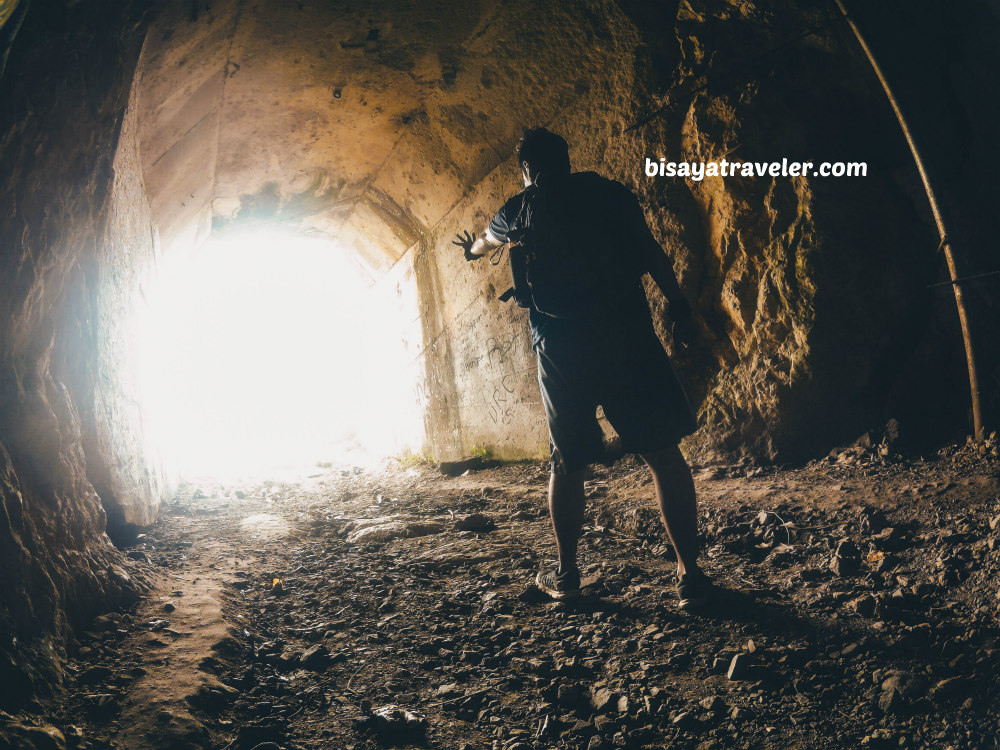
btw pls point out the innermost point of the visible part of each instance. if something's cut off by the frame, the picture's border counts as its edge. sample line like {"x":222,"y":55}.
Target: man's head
{"x":542,"y":152}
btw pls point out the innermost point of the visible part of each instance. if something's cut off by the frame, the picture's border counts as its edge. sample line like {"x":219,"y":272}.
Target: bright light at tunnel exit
{"x":265,"y":352}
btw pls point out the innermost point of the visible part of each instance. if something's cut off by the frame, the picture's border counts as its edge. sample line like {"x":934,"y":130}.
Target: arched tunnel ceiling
{"x":366,"y":121}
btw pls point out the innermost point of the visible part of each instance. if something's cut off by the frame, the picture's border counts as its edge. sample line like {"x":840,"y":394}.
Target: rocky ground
{"x":858,"y":608}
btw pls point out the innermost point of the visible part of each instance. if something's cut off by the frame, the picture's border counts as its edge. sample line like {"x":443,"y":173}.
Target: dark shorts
{"x":625,"y":370}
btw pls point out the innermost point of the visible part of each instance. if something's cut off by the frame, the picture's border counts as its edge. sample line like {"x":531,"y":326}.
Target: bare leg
{"x":566,"y":505}
{"x":678,"y":508}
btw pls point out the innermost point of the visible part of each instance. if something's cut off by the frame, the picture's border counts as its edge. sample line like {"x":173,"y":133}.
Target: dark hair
{"x":544,"y":151}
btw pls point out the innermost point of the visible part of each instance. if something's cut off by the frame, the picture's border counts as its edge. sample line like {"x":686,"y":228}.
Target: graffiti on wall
{"x":500,"y":412}
{"x":497,"y":350}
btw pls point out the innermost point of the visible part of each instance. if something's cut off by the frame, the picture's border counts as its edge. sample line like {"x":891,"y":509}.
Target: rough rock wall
{"x":123,"y":466}
{"x":809,"y":285}
{"x":64,"y":95}
{"x":811,"y":292}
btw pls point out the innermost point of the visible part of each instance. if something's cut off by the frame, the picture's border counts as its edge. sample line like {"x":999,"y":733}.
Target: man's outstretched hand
{"x":685,"y":331}
{"x":466,"y":240}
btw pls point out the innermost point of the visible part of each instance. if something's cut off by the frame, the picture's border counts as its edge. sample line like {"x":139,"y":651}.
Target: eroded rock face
{"x":808,"y":286}
{"x":74,"y":235}
{"x":123,"y":467}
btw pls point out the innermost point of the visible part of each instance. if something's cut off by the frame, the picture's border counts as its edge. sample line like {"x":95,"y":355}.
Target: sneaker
{"x":693,"y":590}
{"x":559,"y":585}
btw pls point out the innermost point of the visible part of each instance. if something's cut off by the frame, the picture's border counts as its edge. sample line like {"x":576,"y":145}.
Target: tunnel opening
{"x":266,"y":351}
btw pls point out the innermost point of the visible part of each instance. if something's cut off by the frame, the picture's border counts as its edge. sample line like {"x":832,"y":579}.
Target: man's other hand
{"x":685,"y":331}
{"x":466,"y":240}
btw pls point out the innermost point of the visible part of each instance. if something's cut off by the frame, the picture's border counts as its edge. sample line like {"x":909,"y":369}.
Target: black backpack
{"x":572,"y":254}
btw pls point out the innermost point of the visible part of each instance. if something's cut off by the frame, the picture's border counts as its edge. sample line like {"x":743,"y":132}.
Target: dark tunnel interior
{"x":274,"y":458}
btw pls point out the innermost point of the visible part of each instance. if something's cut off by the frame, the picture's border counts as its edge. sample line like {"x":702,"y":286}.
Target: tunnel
{"x":274,"y":456}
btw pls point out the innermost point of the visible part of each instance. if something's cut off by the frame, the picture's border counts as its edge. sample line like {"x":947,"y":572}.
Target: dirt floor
{"x":858,"y":608}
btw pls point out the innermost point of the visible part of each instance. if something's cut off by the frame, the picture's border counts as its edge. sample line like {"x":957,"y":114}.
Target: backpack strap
{"x":520,"y":292}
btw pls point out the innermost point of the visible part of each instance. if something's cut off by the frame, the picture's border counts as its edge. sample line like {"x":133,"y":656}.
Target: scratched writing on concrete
{"x":498,"y":349}
{"x":500,"y":413}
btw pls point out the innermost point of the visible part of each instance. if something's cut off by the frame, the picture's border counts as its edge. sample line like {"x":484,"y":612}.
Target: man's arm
{"x":659,"y":267}
{"x":475,"y":247}
{"x":661,"y":270}
{"x":652,"y":259}
{"x":657,"y":264}
{"x":492,"y":237}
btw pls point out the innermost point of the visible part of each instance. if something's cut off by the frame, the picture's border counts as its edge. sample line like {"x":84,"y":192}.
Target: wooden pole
{"x":963,"y":317}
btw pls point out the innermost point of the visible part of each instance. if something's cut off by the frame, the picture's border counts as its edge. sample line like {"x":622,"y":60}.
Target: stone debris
{"x":462,"y":465}
{"x":956,"y":688}
{"x":385,"y":529}
{"x":213,"y":696}
{"x":740,"y":667}
{"x":840,"y":619}
{"x":105,"y":622}
{"x":846,"y":559}
{"x":478,"y":522}
{"x":602,"y":699}
{"x":94,"y":676}
{"x":396,"y":724}
{"x":316,"y":658}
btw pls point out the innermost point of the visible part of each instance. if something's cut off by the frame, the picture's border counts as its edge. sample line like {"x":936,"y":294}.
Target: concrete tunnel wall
{"x":809,"y":297}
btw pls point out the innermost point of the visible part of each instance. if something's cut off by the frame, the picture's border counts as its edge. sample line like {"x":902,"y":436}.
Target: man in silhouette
{"x":579,"y":246}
